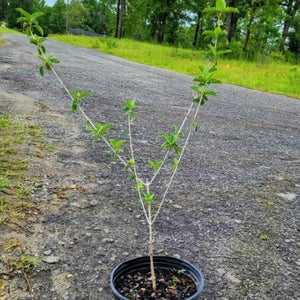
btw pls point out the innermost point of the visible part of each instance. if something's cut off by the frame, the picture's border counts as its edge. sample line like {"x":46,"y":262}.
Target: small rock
{"x":75,"y":204}
{"x":125,"y":253}
{"x":94,"y":203}
{"x":113,"y":258}
{"x":177,"y":256}
{"x":51,"y":259}
{"x":47,"y":252}
{"x":288,"y":196}
{"x":298,"y":262}
{"x":232,"y":278}
{"x":107,"y":240}
{"x":160,"y":251}
{"x":177,"y":206}
{"x":98,"y":228}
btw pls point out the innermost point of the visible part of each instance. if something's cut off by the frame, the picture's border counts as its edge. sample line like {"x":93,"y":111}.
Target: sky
{"x":50,"y":2}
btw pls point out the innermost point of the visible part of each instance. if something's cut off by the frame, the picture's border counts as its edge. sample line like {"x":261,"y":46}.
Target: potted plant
{"x":150,"y":277}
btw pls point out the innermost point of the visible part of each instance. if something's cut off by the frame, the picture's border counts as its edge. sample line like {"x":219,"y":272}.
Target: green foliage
{"x":130,"y":164}
{"x":25,"y":263}
{"x":175,"y":164}
{"x":140,"y":186}
{"x":100,"y":130}
{"x":77,"y":98}
{"x":129,"y":108}
{"x":30,"y":22}
{"x":48,"y":61}
{"x":171,"y":140}
{"x":117,"y":146}
{"x":155,"y":165}
{"x":148,"y":197}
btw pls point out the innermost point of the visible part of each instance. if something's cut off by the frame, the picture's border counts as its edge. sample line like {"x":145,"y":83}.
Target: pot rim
{"x":193,"y":272}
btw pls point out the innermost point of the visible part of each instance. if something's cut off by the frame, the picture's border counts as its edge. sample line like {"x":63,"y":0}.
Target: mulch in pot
{"x":171,"y":285}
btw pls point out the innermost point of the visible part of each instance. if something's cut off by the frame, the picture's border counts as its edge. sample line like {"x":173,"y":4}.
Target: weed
{"x":4,"y":182}
{"x":264,"y":237}
{"x":25,"y":263}
{"x":11,"y":245}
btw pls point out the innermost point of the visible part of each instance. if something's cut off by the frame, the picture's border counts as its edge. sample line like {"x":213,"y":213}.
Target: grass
{"x":15,"y":186}
{"x":274,"y":77}
{"x":4,"y":30}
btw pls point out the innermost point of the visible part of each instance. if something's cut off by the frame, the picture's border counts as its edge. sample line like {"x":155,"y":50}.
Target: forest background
{"x":262,"y":30}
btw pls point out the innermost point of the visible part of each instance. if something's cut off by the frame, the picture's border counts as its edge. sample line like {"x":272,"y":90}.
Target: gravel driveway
{"x":233,"y":209}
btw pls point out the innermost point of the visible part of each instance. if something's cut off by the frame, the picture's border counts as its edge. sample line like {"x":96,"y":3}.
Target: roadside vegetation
{"x":268,"y":75}
{"x":18,"y":143}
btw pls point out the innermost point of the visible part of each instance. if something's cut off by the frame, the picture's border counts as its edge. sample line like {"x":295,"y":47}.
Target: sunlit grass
{"x":4,"y":30}
{"x":274,"y":77}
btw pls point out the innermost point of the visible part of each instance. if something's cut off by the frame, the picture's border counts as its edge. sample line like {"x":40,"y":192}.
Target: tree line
{"x":260,"y":29}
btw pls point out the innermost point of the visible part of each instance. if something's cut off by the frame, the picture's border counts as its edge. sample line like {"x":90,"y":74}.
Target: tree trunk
{"x":230,"y":22}
{"x":195,"y":42}
{"x":120,"y":14}
{"x":292,"y":8}
{"x":161,"y":27}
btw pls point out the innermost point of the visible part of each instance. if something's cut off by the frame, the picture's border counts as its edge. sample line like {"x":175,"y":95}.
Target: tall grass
{"x":274,"y":77}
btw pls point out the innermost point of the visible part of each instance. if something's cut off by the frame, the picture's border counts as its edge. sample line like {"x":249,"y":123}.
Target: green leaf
{"x":42,"y":71}
{"x":39,"y":29}
{"x":195,"y":125}
{"x":129,"y":108}
{"x":171,"y":140}
{"x":148,"y":197}
{"x":100,"y":130}
{"x":154,"y":164}
{"x":221,"y":4}
{"x":117,"y":145}
{"x":175,"y":164}
{"x":24,"y":13}
{"x":231,"y":10}
{"x":130,"y":164}
{"x":222,"y":52}
{"x":210,"y":10}
{"x":218,"y":31}
{"x":140,"y":186}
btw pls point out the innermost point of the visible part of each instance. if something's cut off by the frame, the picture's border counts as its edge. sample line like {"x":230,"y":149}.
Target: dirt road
{"x":246,"y":155}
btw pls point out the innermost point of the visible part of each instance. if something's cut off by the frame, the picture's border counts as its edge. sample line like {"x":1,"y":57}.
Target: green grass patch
{"x":274,"y":77}
{"x":4,"y":30}
{"x":16,"y":186}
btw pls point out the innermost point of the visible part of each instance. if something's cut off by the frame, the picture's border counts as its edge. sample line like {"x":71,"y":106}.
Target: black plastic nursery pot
{"x":164,"y":263}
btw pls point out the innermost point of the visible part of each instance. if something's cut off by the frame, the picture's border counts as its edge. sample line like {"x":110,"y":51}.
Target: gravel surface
{"x":234,"y":206}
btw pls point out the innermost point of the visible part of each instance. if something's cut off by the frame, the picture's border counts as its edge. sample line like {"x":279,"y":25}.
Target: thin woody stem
{"x":175,"y":169}
{"x":167,"y":153}
{"x":151,"y":241}
{"x":135,"y":171}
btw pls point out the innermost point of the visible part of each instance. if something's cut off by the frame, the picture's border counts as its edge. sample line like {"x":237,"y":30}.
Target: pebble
{"x":113,"y":258}
{"x":107,"y":240}
{"x":177,"y":256}
{"x":94,"y":203}
{"x":177,"y":206}
{"x":51,"y":259}
{"x":232,"y":278}
{"x":288,"y":196}
{"x":47,"y":252}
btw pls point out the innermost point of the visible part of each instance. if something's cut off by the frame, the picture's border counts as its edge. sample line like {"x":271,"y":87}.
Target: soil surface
{"x":233,"y":209}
